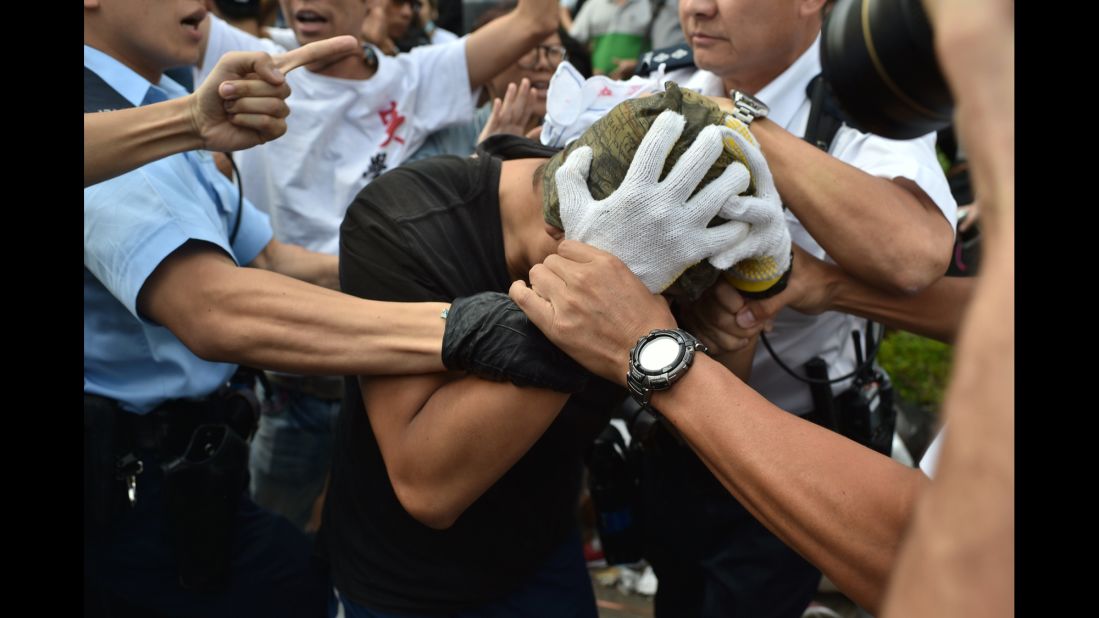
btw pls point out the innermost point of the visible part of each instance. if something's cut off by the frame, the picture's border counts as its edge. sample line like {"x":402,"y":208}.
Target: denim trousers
{"x":291,"y":452}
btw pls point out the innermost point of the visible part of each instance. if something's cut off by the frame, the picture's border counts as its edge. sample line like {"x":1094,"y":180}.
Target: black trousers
{"x":711,"y":556}
{"x":131,"y":567}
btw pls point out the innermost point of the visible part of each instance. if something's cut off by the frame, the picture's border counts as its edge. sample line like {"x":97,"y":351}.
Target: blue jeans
{"x":561,"y":588}
{"x":291,"y":452}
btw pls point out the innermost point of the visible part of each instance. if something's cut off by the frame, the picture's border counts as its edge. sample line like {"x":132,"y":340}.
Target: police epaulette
{"x":675,"y":57}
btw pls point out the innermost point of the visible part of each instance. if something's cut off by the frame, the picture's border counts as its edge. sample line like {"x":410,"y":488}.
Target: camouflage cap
{"x":615,"y":137}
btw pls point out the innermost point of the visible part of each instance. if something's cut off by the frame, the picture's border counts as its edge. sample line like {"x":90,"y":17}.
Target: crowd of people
{"x":351,"y":326}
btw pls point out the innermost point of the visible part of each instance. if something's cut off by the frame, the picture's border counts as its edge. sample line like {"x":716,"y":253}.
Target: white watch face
{"x":659,"y":353}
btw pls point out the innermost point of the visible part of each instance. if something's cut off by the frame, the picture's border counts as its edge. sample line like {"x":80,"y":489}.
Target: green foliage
{"x":919,"y":367}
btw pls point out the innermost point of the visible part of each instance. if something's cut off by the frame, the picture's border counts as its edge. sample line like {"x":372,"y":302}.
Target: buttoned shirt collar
{"x":786,"y":93}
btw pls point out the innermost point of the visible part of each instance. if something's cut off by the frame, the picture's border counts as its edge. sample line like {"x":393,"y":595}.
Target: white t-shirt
{"x":798,"y":337}
{"x":343,"y":133}
{"x":440,"y":36}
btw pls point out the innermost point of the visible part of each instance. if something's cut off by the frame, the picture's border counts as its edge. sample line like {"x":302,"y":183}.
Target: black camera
{"x":879,"y":58}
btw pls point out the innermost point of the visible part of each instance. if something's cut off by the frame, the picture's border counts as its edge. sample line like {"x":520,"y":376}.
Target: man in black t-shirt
{"x":449,"y":493}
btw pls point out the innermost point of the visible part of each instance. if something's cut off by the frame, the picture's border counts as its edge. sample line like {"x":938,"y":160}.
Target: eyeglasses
{"x":555,"y":54}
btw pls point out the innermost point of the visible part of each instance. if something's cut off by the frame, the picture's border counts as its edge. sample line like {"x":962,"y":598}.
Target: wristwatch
{"x":659,"y":360}
{"x":747,"y":108}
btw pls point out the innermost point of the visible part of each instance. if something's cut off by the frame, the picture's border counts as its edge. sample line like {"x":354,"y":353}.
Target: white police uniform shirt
{"x":343,"y":133}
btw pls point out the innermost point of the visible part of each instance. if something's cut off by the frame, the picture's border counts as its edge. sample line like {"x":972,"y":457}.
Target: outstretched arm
{"x":839,"y":504}
{"x":241,"y":104}
{"x":725,"y":320}
{"x":250,"y":316}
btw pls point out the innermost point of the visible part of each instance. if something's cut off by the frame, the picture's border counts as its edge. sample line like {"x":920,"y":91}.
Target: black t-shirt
{"x":431,"y":231}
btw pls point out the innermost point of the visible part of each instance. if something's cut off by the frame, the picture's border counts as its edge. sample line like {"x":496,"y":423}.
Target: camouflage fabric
{"x":615,"y":137}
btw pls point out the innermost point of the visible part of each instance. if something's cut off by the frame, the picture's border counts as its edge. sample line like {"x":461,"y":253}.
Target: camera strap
{"x":825,"y":117}
{"x":825,"y":120}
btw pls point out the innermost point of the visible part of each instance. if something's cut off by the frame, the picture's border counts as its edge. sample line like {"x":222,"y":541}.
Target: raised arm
{"x":839,"y":504}
{"x":500,"y":43}
{"x":241,"y":104}
{"x":886,"y":231}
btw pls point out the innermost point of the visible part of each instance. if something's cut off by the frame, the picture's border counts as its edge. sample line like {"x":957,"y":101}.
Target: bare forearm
{"x":294,"y":261}
{"x":975,"y":44}
{"x":463,"y":438}
{"x":875,"y":228}
{"x":842,"y":506}
{"x":959,"y":558}
{"x":244,"y":315}
{"x":119,"y":141}
{"x":935,"y":312}
{"x":739,"y":362}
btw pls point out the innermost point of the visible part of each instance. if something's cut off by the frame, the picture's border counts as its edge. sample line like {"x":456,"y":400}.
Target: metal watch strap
{"x":746,"y":107}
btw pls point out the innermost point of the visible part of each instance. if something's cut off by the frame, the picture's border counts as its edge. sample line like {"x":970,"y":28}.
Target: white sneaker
{"x":647,"y":584}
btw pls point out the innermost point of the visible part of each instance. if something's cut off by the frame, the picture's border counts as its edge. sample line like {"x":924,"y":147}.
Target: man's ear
{"x":811,"y":7}
{"x":91,"y":4}
{"x":555,"y":232}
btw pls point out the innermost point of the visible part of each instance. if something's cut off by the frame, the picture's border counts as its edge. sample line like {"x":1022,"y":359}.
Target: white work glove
{"x":648,"y":224}
{"x":768,"y":237}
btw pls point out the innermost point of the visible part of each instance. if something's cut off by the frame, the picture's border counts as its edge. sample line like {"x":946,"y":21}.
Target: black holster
{"x":202,"y":490}
{"x":201,"y":447}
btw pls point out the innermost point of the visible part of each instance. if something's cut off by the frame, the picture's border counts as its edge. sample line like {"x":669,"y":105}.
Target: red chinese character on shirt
{"x":606,"y":92}
{"x":393,"y":120}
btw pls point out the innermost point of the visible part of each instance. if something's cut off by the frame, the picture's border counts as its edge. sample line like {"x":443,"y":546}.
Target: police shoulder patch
{"x":676,"y":57}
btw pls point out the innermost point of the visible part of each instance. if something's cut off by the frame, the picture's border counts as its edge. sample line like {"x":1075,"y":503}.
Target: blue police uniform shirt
{"x":131,"y":224}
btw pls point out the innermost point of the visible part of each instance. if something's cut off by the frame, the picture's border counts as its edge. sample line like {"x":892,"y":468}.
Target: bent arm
{"x":500,"y":43}
{"x":840,"y":505}
{"x":445,"y":441}
{"x":119,"y":141}
{"x":885,"y":231}
{"x":225,"y":313}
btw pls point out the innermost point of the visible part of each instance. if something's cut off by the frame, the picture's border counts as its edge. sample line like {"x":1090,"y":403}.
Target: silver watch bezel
{"x":643,"y":382}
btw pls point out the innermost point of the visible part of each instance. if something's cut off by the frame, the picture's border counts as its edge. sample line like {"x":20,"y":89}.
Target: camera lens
{"x":879,"y":58}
